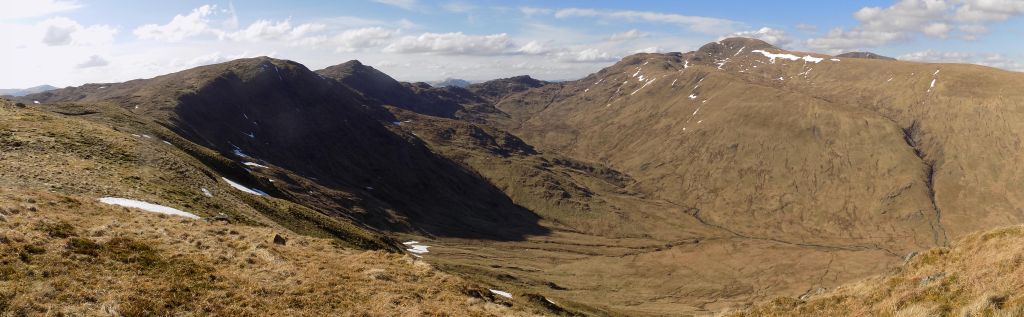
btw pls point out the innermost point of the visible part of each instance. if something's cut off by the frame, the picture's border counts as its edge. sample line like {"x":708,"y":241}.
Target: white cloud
{"x":266,"y":30}
{"x":988,"y":10}
{"x":970,"y":32}
{"x":181,"y":26}
{"x":93,"y":61}
{"x":988,"y":59}
{"x":772,"y":36}
{"x":404,"y":4}
{"x":906,"y":18}
{"x":627,"y":35}
{"x":652,"y":49}
{"x":939,"y":30}
{"x":696,"y":23}
{"x":589,"y":55}
{"x":455,"y":43}
{"x":357,"y":39}
{"x":533,"y":48}
{"x":212,"y":58}
{"x":839,"y":39}
{"x":531,"y":11}
{"x":19,"y":9}
{"x":63,"y":31}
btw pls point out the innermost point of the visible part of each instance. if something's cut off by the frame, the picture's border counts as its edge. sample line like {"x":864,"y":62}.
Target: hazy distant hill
{"x":455,"y":82}
{"x":26,"y":91}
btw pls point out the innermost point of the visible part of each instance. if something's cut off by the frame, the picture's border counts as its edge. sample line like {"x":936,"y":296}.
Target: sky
{"x":73,"y":42}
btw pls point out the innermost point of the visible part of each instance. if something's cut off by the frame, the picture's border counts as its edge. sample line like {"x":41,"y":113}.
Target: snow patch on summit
{"x":773,"y":56}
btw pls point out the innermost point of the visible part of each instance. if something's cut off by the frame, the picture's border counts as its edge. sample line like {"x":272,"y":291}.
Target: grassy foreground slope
{"x":68,"y":255}
{"x":62,"y":252}
{"x":981,"y":274}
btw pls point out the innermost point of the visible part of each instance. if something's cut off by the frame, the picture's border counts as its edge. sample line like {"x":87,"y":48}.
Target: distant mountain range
{"x":455,"y":82}
{"x":26,"y":91}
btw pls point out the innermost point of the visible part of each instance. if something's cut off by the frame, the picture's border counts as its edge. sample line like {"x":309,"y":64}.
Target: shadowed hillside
{"x":278,"y":113}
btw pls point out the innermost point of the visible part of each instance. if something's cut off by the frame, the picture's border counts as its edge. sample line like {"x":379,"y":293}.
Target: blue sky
{"x":71,"y":42}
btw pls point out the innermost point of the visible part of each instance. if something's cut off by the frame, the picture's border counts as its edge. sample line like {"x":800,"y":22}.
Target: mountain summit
{"x":868,"y":55}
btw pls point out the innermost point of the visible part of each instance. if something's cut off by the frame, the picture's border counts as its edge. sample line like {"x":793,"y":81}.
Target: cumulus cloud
{"x":533,"y":48}
{"x":64,"y":31}
{"x":211,"y":58}
{"x":696,"y":23}
{"x":988,"y":10}
{"x":20,"y":9}
{"x":404,"y":4}
{"x":652,"y":49}
{"x":356,"y":39}
{"x":939,"y":30}
{"x":456,"y":43}
{"x":588,"y":55}
{"x":627,"y":35}
{"x":181,"y":26}
{"x":988,"y":59}
{"x":266,"y":30}
{"x":906,"y":18}
{"x":321,"y":32}
{"x":772,"y":36}
{"x":93,"y":61}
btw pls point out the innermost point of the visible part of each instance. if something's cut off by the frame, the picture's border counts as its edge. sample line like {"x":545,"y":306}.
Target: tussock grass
{"x":71,"y":257}
{"x":981,"y":274}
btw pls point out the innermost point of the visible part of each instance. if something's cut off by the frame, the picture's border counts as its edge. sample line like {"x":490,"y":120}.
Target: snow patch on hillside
{"x":131,"y":203}
{"x":416,"y":247}
{"x":243,"y":188}
{"x":237,"y":151}
{"x":501,"y":293}
{"x":642,"y":87}
{"x":813,"y":59}
{"x":254,"y":164}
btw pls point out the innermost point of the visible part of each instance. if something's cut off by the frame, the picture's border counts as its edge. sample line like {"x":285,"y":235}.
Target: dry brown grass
{"x":66,"y":255}
{"x":979,"y":275}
